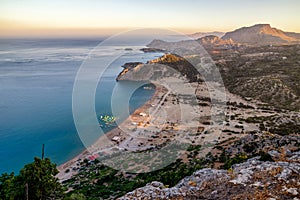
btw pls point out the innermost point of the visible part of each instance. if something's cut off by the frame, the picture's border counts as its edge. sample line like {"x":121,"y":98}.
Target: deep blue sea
{"x":36,"y":84}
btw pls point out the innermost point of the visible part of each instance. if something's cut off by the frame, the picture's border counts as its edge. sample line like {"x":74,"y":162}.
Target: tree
{"x":7,"y":186}
{"x":76,"y":196}
{"x":38,"y":180}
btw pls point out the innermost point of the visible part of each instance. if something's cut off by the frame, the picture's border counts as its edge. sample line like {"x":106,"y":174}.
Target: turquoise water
{"x":36,"y":83}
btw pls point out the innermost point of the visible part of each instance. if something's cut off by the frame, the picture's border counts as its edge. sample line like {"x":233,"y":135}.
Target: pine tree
{"x":7,"y":186}
{"x":36,"y":181}
{"x":39,"y":181}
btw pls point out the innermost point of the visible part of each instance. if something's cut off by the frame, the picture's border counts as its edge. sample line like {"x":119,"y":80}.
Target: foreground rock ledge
{"x":253,"y":179}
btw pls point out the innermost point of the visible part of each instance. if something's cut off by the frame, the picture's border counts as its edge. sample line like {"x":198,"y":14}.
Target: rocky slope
{"x":211,"y":40}
{"x":253,"y":179}
{"x":166,"y":66}
{"x":260,"y":34}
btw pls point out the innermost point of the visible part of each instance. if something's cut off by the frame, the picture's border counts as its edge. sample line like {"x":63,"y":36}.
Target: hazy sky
{"x":42,"y":17}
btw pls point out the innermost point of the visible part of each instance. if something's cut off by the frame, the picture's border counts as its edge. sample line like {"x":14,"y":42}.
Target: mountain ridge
{"x":257,"y":35}
{"x":204,"y":34}
{"x":261,"y":34}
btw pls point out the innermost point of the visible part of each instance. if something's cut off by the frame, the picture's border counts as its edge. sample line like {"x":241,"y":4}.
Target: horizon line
{"x":104,"y":31}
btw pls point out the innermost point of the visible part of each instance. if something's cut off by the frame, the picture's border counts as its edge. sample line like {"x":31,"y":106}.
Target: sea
{"x":36,"y":84}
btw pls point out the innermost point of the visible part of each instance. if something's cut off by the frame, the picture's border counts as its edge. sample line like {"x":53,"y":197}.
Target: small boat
{"x":108,"y":119}
{"x":147,"y":88}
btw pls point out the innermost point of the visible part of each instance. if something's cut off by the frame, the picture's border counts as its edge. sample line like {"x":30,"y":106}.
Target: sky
{"x":94,"y":17}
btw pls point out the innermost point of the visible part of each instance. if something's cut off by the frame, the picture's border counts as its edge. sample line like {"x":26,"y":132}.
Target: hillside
{"x":253,"y":179}
{"x":268,"y":74}
{"x":204,"y":34}
{"x":258,"y":35}
{"x":294,"y":35}
{"x":165,"y":66}
{"x":261,"y":34}
{"x":214,"y":41}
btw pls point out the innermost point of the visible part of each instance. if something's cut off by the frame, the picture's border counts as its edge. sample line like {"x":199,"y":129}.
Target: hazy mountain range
{"x":259,"y":34}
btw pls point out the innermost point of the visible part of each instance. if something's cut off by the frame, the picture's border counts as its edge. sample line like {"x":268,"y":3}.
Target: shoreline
{"x":106,"y":142}
{"x":169,"y":115}
{"x":162,"y":119}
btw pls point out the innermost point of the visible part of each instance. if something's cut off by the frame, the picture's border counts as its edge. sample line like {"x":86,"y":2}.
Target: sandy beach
{"x":178,"y":111}
{"x":106,"y":142}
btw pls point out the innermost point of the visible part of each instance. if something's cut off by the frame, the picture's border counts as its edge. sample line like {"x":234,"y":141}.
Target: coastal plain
{"x":217,"y":103}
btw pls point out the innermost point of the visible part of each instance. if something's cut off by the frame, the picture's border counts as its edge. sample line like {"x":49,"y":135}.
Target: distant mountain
{"x":208,"y":42}
{"x":214,"y":41}
{"x":204,"y":34}
{"x":261,"y":34}
{"x":294,"y":35}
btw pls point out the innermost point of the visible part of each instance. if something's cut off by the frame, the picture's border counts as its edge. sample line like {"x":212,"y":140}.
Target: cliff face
{"x":131,"y":65}
{"x":259,"y":34}
{"x":127,"y":67}
{"x":253,"y":179}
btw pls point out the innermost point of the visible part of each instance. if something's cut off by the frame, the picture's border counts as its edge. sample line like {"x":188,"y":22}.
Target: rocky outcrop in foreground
{"x":253,"y":179}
